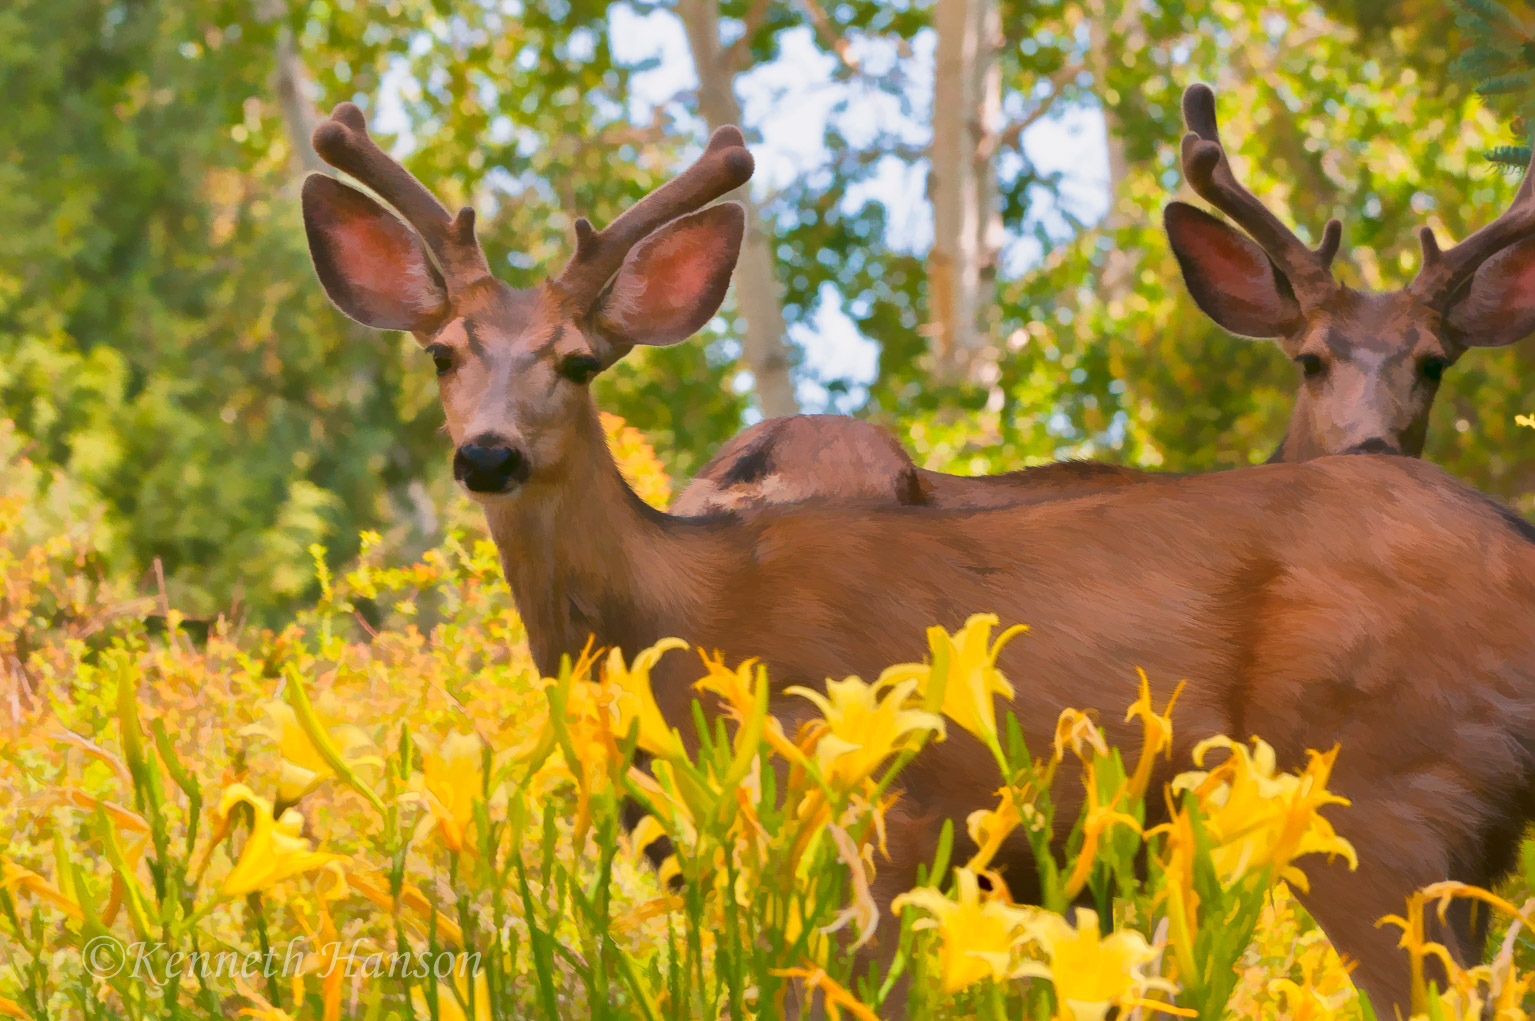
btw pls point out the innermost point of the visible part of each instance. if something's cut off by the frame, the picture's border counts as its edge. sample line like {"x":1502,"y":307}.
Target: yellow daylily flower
{"x":1093,"y":974}
{"x":834,"y":998}
{"x":1156,"y":732}
{"x":636,"y":702}
{"x":1316,"y":997}
{"x":1075,"y":729}
{"x":1101,"y":815}
{"x":448,"y":1006}
{"x":10,"y":1008}
{"x":375,"y":887}
{"x":976,"y":937}
{"x":1463,"y":998}
{"x":326,"y":943}
{"x":273,"y":851}
{"x":587,"y":719}
{"x":453,"y":780}
{"x":736,"y":690}
{"x":962,"y":679}
{"x":303,"y":767}
{"x":864,"y":725}
{"x":15,"y":877}
{"x":1260,"y":817}
{"x":73,"y":797}
{"x":988,"y":828}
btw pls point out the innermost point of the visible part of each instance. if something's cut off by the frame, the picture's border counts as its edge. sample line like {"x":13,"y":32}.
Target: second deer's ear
{"x":674,"y":280}
{"x":373,"y":267}
{"x":1229,"y":275}
{"x":1499,"y":306}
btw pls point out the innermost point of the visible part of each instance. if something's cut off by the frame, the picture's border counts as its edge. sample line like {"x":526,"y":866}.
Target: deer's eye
{"x":1311,"y":366}
{"x":580,"y":368}
{"x":442,"y":357}
{"x":1433,"y":368}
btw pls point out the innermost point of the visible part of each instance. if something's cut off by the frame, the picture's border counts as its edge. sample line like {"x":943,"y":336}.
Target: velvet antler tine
{"x":343,"y":141}
{"x":1209,"y":173}
{"x":1332,"y":240}
{"x":1445,"y":271}
{"x":724,"y":166}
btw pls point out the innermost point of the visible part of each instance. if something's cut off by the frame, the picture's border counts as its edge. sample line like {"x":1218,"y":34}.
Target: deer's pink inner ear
{"x":674,"y":280}
{"x":372,"y":266}
{"x":1499,"y":306}
{"x":1229,"y":276}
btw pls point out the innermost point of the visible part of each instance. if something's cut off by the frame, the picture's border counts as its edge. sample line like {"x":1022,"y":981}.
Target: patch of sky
{"x":793,"y":104}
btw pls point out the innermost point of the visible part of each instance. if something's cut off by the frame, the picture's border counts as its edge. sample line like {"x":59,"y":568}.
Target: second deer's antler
{"x":1209,"y":173}
{"x":1444,"y":272}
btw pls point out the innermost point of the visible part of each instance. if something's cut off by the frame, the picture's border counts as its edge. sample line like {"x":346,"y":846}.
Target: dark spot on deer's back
{"x":755,"y":464}
{"x":908,"y":489}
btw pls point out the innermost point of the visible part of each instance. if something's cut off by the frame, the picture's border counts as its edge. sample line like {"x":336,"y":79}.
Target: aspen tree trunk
{"x":295,"y":95}
{"x":764,"y":346}
{"x":967,"y":219}
{"x":296,"y":98}
{"x":1105,"y":37}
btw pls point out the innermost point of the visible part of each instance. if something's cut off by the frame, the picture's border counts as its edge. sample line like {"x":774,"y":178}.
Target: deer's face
{"x":513,"y":366}
{"x":512,"y":372}
{"x":1368,"y":365}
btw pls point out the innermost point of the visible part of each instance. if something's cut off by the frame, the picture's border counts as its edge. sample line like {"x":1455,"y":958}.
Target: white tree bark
{"x":967,"y":219}
{"x":295,"y":96}
{"x":764,"y":345}
{"x":1106,"y":36}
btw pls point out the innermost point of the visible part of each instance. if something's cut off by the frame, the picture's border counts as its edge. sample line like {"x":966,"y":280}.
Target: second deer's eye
{"x":442,"y":357}
{"x":1311,"y":366}
{"x":580,"y":368}
{"x":1433,"y":368}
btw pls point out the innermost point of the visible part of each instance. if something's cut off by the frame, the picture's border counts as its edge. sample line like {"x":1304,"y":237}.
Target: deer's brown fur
{"x":1367,"y":601}
{"x":836,"y":457}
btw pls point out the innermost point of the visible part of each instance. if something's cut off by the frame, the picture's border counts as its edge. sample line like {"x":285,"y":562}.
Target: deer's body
{"x":1371,"y":602}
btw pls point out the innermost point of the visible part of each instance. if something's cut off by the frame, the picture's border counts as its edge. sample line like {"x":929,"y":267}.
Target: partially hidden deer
{"x":1368,"y":601}
{"x":1369,"y":364}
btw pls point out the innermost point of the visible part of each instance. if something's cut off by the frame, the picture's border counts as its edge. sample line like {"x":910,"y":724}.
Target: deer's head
{"x":1369,"y":363}
{"x":513,"y":365}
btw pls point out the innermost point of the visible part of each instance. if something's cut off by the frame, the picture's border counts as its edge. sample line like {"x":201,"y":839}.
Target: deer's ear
{"x":372,"y":266}
{"x":1498,"y":307}
{"x":672,"y":282}
{"x":1228,"y":274}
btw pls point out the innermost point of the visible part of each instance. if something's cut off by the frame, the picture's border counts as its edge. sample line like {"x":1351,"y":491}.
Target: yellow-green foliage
{"x":356,"y":786}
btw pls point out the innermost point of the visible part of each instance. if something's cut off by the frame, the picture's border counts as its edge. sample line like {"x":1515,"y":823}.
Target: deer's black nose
{"x":1375,"y":445}
{"x":488,"y":465}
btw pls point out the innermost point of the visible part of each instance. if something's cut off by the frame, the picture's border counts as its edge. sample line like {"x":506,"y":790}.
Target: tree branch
{"x":829,"y":36}
{"x":730,"y":59}
{"x":1011,"y":137}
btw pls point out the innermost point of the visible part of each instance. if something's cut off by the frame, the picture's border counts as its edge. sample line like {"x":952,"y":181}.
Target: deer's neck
{"x":586,"y":558}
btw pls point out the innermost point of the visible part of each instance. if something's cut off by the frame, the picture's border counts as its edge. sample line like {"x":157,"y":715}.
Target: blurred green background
{"x":166,"y":353}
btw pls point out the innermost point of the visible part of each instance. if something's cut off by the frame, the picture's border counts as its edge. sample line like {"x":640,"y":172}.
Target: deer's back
{"x":805,"y":458}
{"x":1369,"y":601}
